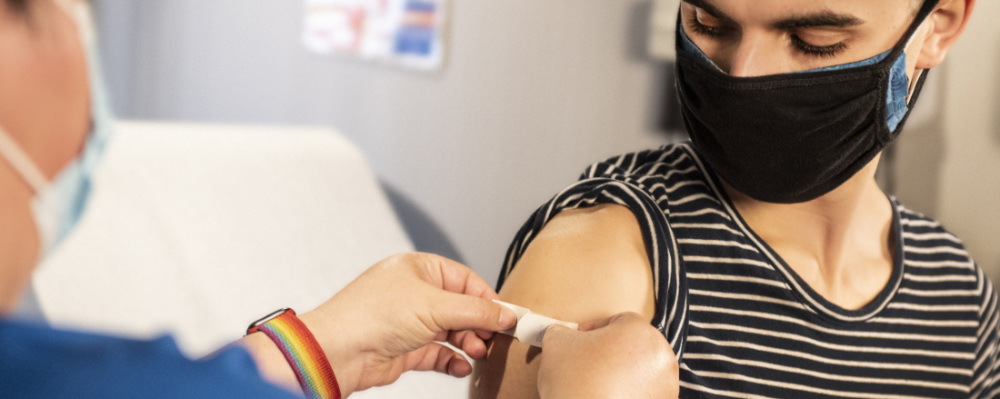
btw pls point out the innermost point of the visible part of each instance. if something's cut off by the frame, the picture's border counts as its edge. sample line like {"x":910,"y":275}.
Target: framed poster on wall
{"x":409,"y":33}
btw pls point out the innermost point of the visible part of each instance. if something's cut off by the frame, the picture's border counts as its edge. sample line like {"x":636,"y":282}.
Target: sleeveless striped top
{"x":745,"y":325}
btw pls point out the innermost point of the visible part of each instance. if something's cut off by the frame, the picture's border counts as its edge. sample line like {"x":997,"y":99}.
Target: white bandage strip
{"x":530,"y":328}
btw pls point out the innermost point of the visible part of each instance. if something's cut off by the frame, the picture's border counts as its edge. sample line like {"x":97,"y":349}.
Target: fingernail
{"x":507,"y":318}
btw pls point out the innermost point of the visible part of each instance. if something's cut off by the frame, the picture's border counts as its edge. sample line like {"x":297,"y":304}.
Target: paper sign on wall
{"x":403,"y":32}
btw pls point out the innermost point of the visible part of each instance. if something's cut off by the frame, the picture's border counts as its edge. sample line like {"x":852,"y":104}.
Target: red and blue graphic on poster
{"x":404,"y":32}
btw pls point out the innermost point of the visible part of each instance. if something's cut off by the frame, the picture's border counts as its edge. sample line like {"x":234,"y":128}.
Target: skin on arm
{"x":585,"y":264}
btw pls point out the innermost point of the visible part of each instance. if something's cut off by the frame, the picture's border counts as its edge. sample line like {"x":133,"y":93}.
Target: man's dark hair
{"x":17,"y":5}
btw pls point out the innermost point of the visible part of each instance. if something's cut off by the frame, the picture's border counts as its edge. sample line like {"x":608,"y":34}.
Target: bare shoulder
{"x":585,"y":264}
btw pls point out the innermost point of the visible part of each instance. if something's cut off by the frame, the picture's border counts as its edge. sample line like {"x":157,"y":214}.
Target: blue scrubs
{"x":41,"y":362}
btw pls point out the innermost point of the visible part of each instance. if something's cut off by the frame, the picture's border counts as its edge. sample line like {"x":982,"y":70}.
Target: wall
{"x":948,"y":159}
{"x":970,"y":184}
{"x":533,"y":92}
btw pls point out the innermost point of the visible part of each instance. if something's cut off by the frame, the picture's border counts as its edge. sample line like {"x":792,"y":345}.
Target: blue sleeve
{"x":40,"y":362}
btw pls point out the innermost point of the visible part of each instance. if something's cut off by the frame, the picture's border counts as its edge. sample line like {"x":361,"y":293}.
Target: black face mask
{"x":794,"y":137}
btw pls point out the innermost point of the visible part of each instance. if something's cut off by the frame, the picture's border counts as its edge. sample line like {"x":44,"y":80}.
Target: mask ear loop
{"x":10,"y":150}
{"x":918,"y":73}
{"x":18,"y":159}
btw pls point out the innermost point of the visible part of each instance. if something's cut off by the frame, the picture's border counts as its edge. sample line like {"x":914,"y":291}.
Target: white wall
{"x":533,"y":92}
{"x":948,"y":159}
{"x":970,"y":189}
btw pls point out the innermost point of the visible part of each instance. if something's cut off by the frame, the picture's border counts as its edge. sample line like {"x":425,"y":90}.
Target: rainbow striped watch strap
{"x":302,"y":352}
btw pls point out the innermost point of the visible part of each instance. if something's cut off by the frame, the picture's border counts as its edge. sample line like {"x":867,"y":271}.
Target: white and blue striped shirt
{"x":743,"y":324}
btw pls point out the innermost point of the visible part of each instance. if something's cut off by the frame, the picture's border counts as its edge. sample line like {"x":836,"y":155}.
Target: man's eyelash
{"x":801,"y":45}
{"x":699,"y":28}
{"x":818,"y":51}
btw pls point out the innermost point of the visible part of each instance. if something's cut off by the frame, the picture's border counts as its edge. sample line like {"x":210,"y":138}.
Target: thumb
{"x":556,"y":333}
{"x":620,"y":318}
{"x":462,"y":312}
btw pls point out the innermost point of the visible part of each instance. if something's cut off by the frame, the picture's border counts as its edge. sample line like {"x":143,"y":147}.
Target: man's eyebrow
{"x":826,"y":19}
{"x":710,"y":9}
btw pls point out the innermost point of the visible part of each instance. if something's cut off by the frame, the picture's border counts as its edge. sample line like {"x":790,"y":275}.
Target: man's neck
{"x":841,"y":243}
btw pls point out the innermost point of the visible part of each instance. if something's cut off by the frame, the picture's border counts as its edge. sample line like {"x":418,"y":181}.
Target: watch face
{"x":253,"y":326}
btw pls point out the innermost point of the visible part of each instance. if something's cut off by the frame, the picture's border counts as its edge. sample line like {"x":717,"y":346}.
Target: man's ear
{"x":946,"y":22}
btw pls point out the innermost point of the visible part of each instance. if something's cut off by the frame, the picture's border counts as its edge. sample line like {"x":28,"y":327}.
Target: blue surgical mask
{"x":899,"y":83}
{"x":58,"y":205}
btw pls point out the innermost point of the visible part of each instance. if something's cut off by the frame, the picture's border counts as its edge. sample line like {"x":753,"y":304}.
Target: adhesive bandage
{"x":530,"y":328}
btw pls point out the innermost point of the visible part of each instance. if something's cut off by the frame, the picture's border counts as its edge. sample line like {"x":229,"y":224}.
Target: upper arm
{"x":585,"y":264}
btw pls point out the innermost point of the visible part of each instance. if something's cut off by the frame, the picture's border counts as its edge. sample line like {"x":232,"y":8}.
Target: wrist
{"x":302,"y":352}
{"x":342,"y":351}
{"x":270,"y":362}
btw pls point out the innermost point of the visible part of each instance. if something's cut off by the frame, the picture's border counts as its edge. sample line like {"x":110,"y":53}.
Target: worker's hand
{"x":386,"y":321}
{"x":620,"y":357}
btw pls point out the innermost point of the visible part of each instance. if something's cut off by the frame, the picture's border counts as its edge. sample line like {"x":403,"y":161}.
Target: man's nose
{"x":754,"y":56}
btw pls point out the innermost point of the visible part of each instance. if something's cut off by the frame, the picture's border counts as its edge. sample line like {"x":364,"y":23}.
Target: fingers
{"x":467,"y":303}
{"x":469,"y":343}
{"x":458,"y":367}
{"x":621,"y":318}
{"x":484,"y":334}
{"x":596,"y":324}
{"x":461,"y":312}
{"x":441,"y":359}
{"x":442,"y":336}
{"x":455,"y":277}
{"x":555,"y":333}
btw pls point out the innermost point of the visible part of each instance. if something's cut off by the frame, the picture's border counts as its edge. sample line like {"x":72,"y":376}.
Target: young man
{"x":53,"y":124}
{"x":763,"y":250}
